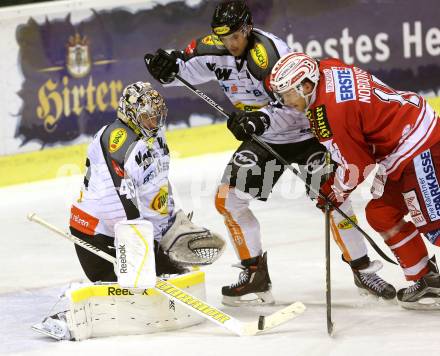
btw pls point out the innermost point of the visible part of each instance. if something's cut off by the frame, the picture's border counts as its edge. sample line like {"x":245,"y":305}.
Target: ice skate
{"x":424,"y":294}
{"x":370,"y":283}
{"x":253,"y":286}
{"x":54,"y":326}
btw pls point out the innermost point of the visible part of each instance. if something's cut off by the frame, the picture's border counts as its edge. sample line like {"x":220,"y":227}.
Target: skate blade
{"x":423,"y":304}
{"x":367,"y":295}
{"x":262,"y":298}
{"x":39,"y":328}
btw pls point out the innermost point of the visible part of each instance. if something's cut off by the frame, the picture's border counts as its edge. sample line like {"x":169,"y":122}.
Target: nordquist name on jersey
{"x":245,"y":81}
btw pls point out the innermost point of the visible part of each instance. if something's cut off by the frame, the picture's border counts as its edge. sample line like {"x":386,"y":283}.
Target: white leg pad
{"x":134,"y":245}
{"x":109,"y":310}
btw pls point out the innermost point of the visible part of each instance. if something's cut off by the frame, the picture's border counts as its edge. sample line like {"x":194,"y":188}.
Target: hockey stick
{"x":283,"y":161}
{"x":191,"y":302}
{"x":328,"y":285}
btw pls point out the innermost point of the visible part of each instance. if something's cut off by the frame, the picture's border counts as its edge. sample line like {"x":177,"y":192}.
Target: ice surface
{"x":37,"y":265}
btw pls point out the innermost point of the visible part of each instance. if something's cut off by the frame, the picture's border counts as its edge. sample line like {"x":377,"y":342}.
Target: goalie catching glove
{"x":189,"y":244}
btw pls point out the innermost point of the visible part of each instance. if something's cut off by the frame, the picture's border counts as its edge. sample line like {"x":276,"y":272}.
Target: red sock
{"x":410,"y":251}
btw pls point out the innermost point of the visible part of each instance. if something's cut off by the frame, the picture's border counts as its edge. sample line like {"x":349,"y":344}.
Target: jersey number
{"x":127,"y":188}
{"x":389,"y":95}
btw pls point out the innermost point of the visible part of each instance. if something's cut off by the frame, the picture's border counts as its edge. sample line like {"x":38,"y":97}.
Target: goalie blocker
{"x":184,"y":242}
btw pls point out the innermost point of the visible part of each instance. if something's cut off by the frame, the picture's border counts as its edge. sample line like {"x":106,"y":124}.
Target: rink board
{"x":67,"y":161}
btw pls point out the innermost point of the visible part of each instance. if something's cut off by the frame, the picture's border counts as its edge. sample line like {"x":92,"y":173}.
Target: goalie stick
{"x":191,"y":302}
{"x":269,"y":149}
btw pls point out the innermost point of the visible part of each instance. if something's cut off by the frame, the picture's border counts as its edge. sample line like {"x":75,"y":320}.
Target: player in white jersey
{"x":127,"y":178}
{"x":240,"y":58}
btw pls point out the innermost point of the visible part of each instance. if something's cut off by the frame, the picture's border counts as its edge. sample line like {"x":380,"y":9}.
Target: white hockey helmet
{"x":142,"y":108}
{"x":289,"y":73}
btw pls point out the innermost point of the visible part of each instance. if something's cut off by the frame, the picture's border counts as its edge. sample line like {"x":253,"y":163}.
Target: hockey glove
{"x":244,"y":124}
{"x":330,"y":190}
{"x":162,"y":65}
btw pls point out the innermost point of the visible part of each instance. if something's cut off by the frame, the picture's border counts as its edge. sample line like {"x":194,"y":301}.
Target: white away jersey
{"x":245,"y":81}
{"x":126,"y":178}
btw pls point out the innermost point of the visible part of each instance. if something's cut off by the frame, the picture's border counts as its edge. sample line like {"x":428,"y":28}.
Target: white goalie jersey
{"x":126,"y":179}
{"x":245,"y":81}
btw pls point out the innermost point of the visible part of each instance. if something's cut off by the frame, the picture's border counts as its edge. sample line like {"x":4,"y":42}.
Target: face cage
{"x":298,"y":89}
{"x":279,"y":98}
{"x":149,"y":133}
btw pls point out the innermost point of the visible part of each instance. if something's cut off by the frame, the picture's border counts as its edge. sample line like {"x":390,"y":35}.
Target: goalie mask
{"x":143,"y":109}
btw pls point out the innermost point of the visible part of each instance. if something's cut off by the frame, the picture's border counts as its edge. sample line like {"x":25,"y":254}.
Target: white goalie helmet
{"x":289,"y":73}
{"x":142,"y":108}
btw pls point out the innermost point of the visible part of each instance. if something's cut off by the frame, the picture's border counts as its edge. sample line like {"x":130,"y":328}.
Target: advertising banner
{"x":73,"y":71}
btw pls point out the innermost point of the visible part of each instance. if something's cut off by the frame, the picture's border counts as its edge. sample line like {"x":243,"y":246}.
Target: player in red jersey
{"x":364,"y":123}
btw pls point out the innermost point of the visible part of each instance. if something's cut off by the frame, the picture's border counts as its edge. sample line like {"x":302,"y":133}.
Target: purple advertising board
{"x":75,"y":72}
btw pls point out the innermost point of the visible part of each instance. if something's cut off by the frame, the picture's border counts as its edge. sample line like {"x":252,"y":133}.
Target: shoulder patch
{"x":262,"y":56}
{"x":259,"y":55}
{"x":117,"y":139}
{"x":212,"y":40}
{"x":205,"y":46}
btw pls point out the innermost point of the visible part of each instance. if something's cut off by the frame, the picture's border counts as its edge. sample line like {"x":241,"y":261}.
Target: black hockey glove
{"x":243,"y":124}
{"x":162,"y":65}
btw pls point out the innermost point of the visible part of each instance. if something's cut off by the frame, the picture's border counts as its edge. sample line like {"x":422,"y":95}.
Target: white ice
{"x":36,"y":265}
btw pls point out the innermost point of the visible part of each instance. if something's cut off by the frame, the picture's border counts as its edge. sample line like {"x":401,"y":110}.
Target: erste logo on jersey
{"x":259,"y":55}
{"x":428,"y":183}
{"x":344,"y":84}
{"x":319,"y":123}
{"x":117,"y":139}
{"x":160,"y":201}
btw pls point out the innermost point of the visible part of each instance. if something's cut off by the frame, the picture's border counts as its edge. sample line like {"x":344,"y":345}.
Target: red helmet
{"x":291,"y":70}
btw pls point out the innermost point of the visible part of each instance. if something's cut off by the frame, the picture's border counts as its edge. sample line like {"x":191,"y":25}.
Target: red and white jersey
{"x":126,"y":178}
{"x":364,"y":122}
{"x":245,"y":81}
